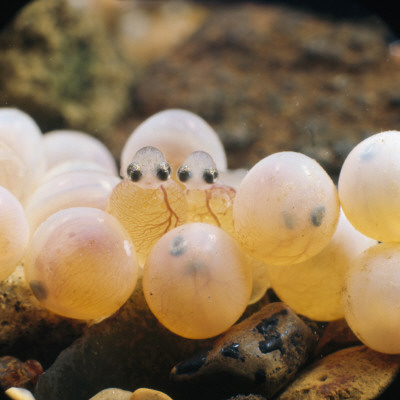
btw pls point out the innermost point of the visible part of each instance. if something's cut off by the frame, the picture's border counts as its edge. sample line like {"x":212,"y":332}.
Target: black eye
{"x":134,"y":171}
{"x":163,"y":171}
{"x":210,"y":175}
{"x":184,"y":173}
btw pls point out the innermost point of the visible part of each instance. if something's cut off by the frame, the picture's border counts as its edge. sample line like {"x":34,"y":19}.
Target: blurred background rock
{"x":268,"y":76}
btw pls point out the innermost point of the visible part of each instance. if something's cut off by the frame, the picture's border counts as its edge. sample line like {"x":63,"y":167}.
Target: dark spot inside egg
{"x":317,"y":215}
{"x":178,"y":246}
{"x":39,"y":290}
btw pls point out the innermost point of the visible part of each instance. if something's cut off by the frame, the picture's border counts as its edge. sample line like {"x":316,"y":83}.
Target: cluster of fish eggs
{"x":206,"y":241}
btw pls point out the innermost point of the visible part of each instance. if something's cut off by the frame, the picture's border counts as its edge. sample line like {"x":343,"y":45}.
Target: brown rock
{"x":14,"y":372}
{"x":352,"y":373}
{"x":28,"y":330}
{"x":259,"y":355}
{"x":336,"y":336}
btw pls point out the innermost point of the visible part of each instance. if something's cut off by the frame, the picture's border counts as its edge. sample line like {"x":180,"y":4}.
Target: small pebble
{"x":19,"y":394}
{"x":148,"y":394}
{"x":112,"y":394}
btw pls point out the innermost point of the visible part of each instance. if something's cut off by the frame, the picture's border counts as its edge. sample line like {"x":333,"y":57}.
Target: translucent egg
{"x":22,"y":134}
{"x":261,"y":282}
{"x":208,"y":201}
{"x":197,"y":281}
{"x":65,"y":145}
{"x":22,"y":138}
{"x":81,"y":264}
{"x":286,"y":209}
{"x":149,"y":203}
{"x":14,"y":232}
{"x":177,"y":133}
{"x":13,"y":171}
{"x":73,"y":166}
{"x":371,"y":297}
{"x":71,"y":189}
{"x":369,"y":186}
{"x":314,"y":287}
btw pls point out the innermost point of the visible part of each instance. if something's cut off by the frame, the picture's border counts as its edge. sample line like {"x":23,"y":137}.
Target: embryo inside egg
{"x":81,"y":263}
{"x":197,"y":281}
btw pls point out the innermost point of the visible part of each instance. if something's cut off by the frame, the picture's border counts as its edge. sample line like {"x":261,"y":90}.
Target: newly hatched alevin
{"x":150,"y":203}
{"x":208,"y":200}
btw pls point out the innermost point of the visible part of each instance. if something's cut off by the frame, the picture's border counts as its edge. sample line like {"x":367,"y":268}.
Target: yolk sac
{"x":313,"y":287}
{"x":208,"y":201}
{"x":197,"y":281}
{"x":371,"y":298}
{"x":14,"y":232}
{"x":369,"y":186}
{"x":177,"y":133}
{"x":286,"y":209}
{"x":150,"y":203}
{"x":71,"y":189}
{"x":81,"y":264}
{"x":65,"y":145}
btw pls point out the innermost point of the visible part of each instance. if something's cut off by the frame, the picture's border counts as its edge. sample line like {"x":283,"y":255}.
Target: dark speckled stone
{"x":259,"y":355}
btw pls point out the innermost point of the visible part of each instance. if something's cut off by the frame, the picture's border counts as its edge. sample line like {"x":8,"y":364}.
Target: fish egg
{"x":286,"y":209}
{"x":81,"y":264}
{"x":71,"y":189}
{"x":177,"y":133}
{"x":261,"y":281}
{"x":314,"y":287}
{"x":196,"y":280}
{"x":65,"y":145}
{"x":13,"y":171}
{"x":14,"y":232}
{"x":371,"y":297}
{"x":369,"y":186}
{"x":148,"y":204}
{"x":24,"y":159}
{"x":22,"y":134}
{"x":72,"y":166}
